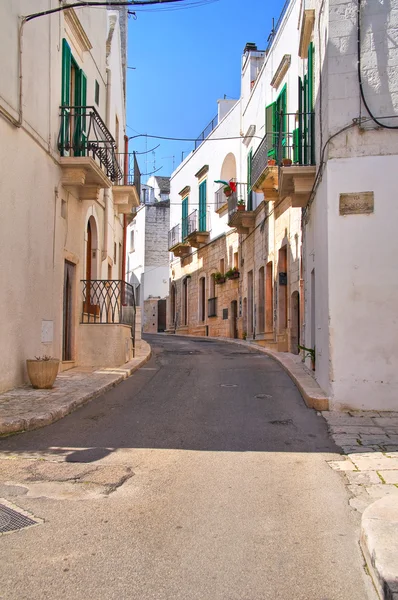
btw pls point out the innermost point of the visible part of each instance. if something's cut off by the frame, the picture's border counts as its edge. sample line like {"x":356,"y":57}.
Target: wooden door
{"x":67,"y":329}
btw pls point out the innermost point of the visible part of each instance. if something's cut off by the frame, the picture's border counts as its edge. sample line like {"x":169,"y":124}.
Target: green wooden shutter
{"x":300,"y":122}
{"x":64,"y":141}
{"x":80,"y":137}
{"x":270,"y":116}
{"x":310,"y":104}
{"x":249,"y":181}
{"x":281,"y":134}
{"x":202,"y":206}
{"x":184,"y":220}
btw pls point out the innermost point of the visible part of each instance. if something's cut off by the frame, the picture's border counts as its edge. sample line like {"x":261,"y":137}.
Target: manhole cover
{"x":13,"y":519}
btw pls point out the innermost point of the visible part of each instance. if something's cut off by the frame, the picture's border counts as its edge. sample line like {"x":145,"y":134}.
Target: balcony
{"x":110,"y":306}
{"x":284,"y":163}
{"x":177,"y":245}
{"x":221,"y":199}
{"x":238,"y":215}
{"x":127,"y":190}
{"x":88,"y":158}
{"x":194,"y":229}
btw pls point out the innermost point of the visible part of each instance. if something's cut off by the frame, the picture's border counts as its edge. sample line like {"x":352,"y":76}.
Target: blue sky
{"x":185,"y":60}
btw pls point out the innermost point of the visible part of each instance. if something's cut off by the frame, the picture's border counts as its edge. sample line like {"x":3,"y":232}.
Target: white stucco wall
{"x":42,"y":223}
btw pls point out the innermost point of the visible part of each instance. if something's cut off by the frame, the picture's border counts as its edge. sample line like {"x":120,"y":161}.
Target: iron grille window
{"x":212,"y":307}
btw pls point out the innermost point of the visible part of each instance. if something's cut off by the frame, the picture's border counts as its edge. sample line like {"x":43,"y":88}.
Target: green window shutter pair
{"x":184,"y":221}
{"x":306,"y":102}
{"x":202,"y":206}
{"x":249,"y":181}
{"x":78,"y":122}
{"x":275,"y":128}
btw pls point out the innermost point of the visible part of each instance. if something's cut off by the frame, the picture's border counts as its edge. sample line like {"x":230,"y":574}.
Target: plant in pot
{"x":271,"y":162}
{"x":227,"y":191}
{"x":42,"y":371}
{"x":286,"y":162}
{"x":232,"y":273}
{"x":240,"y":205}
{"x":219,"y":277}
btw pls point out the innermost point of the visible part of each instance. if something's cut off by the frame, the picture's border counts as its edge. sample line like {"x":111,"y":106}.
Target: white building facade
{"x":314,"y":248}
{"x":62,"y":126}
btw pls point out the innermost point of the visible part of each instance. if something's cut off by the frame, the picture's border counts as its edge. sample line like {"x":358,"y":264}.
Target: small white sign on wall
{"x":47,"y":332}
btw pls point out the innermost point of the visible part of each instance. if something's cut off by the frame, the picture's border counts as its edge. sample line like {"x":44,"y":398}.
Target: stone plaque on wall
{"x":361,"y":203}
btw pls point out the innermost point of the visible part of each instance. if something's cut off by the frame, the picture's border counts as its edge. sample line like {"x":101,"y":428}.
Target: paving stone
{"x":387,"y":421}
{"x":374,"y":463}
{"x":389,"y":476}
{"x":360,"y":503}
{"x":393,"y":454}
{"x":359,"y":449}
{"x":355,"y":430}
{"x":368,"y":440}
{"x":363,"y":477}
{"x":379,"y":491}
{"x":342,"y":465}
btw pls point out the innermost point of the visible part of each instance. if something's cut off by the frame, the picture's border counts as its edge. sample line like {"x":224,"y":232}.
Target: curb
{"x":379,"y":543}
{"x":19,"y":425}
{"x":313,"y":395}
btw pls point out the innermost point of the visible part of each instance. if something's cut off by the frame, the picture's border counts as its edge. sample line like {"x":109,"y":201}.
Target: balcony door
{"x":91,"y":306}
{"x":67,"y":329}
{"x":73,"y":138}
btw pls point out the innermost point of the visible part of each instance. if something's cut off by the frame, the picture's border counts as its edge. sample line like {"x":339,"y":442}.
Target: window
{"x":97,"y":93}
{"x":184,"y":218}
{"x":73,"y":136}
{"x":132,"y":241}
{"x":202,"y":205}
{"x":236,"y":260}
{"x":222,"y":266}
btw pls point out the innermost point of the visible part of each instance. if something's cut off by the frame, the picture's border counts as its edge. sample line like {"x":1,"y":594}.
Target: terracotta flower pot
{"x":42,"y":373}
{"x":287,"y":162}
{"x":240,"y":207}
{"x":271,"y":162}
{"x":228,"y":193}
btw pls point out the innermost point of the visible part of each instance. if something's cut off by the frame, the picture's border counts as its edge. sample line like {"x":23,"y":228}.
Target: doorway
{"x":161,"y":315}
{"x":90,"y":307}
{"x":269,"y":299}
{"x":295,"y":323}
{"x":234,"y":319}
{"x":250,"y":304}
{"x":67,"y":327}
{"x":282,"y":290}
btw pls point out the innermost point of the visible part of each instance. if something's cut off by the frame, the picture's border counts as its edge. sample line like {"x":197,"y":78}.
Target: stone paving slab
{"x":24,"y":408}
{"x":370,"y":468}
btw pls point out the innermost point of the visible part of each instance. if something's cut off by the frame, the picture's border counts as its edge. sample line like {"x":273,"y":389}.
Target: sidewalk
{"x":25,"y":408}
{"x":370,"y":469}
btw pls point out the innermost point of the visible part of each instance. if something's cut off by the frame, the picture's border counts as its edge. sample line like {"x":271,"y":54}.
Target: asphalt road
{"x":202,"y":477}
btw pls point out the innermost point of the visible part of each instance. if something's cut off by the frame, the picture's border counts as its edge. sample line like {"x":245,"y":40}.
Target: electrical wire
{"x":175,"y":139}
{"x":376,"y":120}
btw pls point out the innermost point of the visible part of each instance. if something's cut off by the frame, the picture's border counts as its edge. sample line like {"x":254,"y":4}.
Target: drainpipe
{"x":107,"y":190}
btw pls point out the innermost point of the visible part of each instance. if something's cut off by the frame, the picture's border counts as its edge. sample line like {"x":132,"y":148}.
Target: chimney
{"x":250,"y":47}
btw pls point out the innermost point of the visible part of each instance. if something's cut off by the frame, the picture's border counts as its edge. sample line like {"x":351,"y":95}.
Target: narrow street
{"x":202,"y":477}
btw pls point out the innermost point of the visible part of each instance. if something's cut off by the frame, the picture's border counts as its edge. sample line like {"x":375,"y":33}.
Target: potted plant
{"x":42,"y":371}
{"x":227,"y":191}
{"x":232,"y":273}
{"x":219,"y":277}
{"x":240,"y":205}
{"x":286,"y":162}
{"x":271,"y":162}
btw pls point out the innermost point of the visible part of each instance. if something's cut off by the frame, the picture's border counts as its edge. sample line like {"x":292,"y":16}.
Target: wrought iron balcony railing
{"x":293,"y":141}
{"x":220,"y":197}
{"x":83,"y":133}
{"x":175,"y":236}
{"x":108,"y":301}
{"x":237,"y":198}
{"x":212,"y":307}
{"x":130,"y":173}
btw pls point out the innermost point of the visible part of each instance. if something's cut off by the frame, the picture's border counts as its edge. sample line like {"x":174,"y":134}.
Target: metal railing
{"x":276,"y":26}
{"x":83,"y":133}
{"x":109,"y":301}
{"x":175,"y":236}
{"x":206,"y":132}
{"x":238,"y":197}
{"x":293,"y":140}
{"x":129,"y":169}
{"x":212,"y":307}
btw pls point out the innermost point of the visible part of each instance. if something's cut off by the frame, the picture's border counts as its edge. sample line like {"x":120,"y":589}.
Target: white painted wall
{"x":42,"y":224}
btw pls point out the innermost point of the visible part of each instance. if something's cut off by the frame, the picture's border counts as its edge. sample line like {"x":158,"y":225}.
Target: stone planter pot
{"x":42,"y":373}
{"x":221,"y":280}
